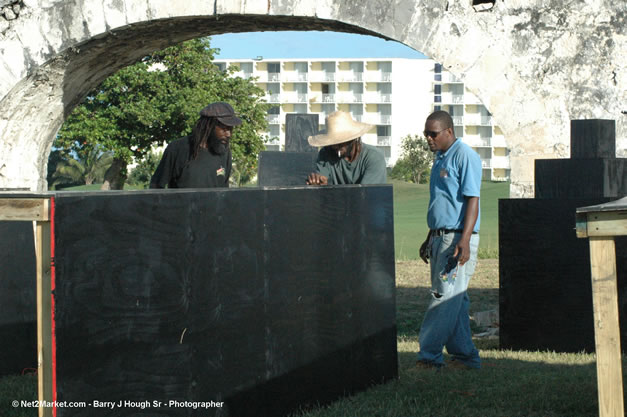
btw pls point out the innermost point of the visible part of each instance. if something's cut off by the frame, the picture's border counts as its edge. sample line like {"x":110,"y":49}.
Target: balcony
{"x":350,"y":76}
{"x":294,"y":98}
{"x":378,"y":76}
{"x":378,"y":119}
{"x":485,"y":163}
{"x":384,"y":141}
{"x":295,"y":76}
{"x":498,"y":141}
{"x":478,"y":120}
{"x":378,"y":98}
{"x":357,"y":117}
{"x":501,"y":162}
{"x":458,"y":120}
{"x":319,"y":76}
{"x":273,"y":119}
{"x":452,"y":98}
{"x":242,"y":74}
{"x":350,"y":98}
{"x":477,"y":141}
{"x":448,"y":78}
{"x":272,"y":98}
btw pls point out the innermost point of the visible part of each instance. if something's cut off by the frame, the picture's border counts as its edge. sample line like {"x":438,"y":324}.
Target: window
{"x":437,"y":68}
{"x":437,"y":89}
{"x":274,"y":67}
{"x":384,"y":130}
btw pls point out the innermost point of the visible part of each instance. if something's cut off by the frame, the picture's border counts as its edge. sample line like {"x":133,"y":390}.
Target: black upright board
{"x":18,"y":298}
{"x":298,"y":127}
{"x":285,"y":168}
{"x":545,"y":290}
{"x":545,"y":293}
{"x":264,"y":299}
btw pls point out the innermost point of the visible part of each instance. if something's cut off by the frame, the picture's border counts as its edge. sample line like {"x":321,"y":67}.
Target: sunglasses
{"x":431,"y":134}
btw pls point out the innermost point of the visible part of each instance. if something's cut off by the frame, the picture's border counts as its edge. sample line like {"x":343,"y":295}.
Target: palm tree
{"x":89,"y":167}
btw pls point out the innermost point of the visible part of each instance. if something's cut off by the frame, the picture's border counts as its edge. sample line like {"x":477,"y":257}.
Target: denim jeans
{"x":446,"y":322}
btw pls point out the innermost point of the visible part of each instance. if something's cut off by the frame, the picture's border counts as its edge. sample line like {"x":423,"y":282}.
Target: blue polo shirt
{"x":455,"y":173}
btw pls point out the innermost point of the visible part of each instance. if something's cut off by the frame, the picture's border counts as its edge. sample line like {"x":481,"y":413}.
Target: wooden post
{"x":601,"y":223}
{"x":38,"y":210}
{"x":44,"y":312}
{"x":606,"y":329}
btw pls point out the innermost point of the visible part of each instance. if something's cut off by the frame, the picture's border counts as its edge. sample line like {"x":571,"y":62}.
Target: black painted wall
{"x":18,"y":298}
{"x":544,"y":269}
{"x":265,"y":299}
{"x":545,"y":290}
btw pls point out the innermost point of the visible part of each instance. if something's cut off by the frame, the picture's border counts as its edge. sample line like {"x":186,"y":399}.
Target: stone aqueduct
{"x":536,"y":64}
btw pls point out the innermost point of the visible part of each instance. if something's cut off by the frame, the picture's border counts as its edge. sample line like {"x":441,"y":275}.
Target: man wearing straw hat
{"x":344,"y":159}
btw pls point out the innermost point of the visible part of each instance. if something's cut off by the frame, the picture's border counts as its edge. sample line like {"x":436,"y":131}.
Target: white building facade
{"x":395,"y":95}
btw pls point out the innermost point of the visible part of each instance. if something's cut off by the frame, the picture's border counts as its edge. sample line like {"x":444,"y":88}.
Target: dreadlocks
{"x":201,"y":134}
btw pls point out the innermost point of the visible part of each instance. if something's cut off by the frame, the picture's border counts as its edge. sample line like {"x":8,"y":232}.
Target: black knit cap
{"x":223,"y":112}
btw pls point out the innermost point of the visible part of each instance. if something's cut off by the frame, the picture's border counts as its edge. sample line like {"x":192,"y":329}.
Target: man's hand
{"x":462,"y":251}
{"x":316,"y":179}
{"x":424,"y":255}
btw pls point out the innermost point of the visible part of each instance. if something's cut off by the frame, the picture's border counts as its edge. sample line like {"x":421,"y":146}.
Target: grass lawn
{"x":410,"y":218}
{"x":510,"y":384}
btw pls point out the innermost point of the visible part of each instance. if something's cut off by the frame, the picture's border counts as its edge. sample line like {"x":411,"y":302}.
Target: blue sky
{"x":310,"y":44}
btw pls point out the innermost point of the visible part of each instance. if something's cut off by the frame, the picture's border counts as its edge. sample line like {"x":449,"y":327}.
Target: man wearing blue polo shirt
{"x":451,"y":245}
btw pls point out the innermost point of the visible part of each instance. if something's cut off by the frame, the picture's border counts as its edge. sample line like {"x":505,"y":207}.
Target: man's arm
{"x":375,"y":172}
{"x":424,"y":254}
{"x":462,"y":249}
{"x":320,"y":176}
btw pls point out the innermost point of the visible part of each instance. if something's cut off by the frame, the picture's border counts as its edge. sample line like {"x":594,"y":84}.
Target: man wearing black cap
{"x":202,"y":159}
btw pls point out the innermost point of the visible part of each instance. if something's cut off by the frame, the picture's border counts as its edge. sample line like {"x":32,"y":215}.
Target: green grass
{"x":410,"y":218}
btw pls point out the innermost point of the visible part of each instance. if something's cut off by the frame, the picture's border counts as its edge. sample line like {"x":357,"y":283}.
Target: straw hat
{"x":340,"y":128}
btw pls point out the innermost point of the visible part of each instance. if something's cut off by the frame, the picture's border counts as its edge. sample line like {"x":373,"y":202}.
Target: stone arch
{"x":536,"y":65}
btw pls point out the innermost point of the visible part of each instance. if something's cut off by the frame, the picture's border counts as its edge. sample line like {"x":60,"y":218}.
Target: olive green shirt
{"x":368,"y":168}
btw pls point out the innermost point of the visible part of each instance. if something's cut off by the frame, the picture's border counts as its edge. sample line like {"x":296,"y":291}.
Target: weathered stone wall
{"x":535,"y":64}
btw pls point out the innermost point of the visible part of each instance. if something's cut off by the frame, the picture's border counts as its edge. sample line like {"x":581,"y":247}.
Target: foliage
{"x":158,"y":99}
{"x":415,"y":162}
{"x":141,"y":174}
{"x":88,"y":167}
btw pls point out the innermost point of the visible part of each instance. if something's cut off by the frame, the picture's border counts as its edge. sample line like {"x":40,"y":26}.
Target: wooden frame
{"x":601,"y":223}
{"x":37,"y":210}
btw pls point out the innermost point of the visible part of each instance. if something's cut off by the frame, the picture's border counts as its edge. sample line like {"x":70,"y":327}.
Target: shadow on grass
{"x":509,"y":384}
{"x":412,"y":303}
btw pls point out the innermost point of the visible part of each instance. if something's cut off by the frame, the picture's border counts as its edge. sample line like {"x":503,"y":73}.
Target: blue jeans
{"x":446,"y":321}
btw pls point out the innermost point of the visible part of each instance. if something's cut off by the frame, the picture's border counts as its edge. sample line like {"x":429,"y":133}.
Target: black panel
{"x":267,"y":300}
{"x":18,"y":298}
{"x":581,"y":178}
{"x":298,"y":127}
{"x":545,"y":285}
{"x":285,"y":168}
{"x":595,"y":138}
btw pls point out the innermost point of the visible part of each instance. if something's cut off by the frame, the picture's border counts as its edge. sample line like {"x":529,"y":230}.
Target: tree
{"x":89,"y":166}
{"x":142,"y":173}
{"x":157,"y":100}
{"x":415,"y":162}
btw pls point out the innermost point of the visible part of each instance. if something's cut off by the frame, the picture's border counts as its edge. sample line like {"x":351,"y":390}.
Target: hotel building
{"x":393,"y":94}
